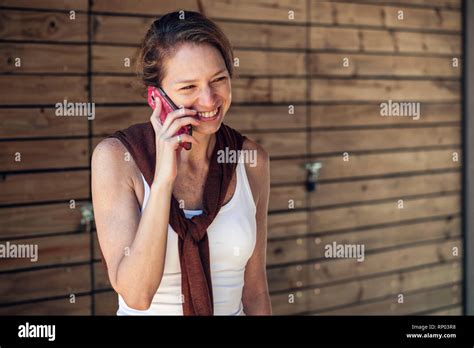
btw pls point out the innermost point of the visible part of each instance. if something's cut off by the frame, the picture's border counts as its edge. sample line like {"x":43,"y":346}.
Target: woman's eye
{"x":220,"y":78}
{"x":192,"y":86}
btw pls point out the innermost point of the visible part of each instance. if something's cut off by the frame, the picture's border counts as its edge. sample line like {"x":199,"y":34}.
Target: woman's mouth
{"x":209,"y":115}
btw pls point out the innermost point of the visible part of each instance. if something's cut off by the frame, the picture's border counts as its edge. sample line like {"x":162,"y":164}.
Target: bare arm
{"x":134,"y":244}
{"x":255,"y":298}
{"x":134,"y":247}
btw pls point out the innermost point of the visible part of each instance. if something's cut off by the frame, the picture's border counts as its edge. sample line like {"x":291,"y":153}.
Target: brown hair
{"x":165,"y":36}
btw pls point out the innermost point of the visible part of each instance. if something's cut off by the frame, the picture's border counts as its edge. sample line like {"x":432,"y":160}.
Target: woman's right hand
{"x":167,"y":147}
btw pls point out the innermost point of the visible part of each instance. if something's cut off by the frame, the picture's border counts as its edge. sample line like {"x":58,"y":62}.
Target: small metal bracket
{"x":313,"y":170}
{"x":87,"y":213}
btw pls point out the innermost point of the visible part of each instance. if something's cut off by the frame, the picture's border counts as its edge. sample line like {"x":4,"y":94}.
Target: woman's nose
{"x":207,"y":98}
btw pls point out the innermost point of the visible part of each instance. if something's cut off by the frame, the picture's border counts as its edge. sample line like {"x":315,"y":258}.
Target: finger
{"x":184,"y":138}
{"x":181,"y":122}
{"x":155,"y":115}
{"x":173,"y":115}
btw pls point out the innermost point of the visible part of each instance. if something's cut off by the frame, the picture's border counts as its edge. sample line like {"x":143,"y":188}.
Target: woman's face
{"x":197,"y":78}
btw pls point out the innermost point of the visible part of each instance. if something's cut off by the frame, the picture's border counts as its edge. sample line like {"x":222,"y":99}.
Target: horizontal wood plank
{"x":455,"y":310}
{"x":283,"y":251}
{"x":288,"y":223}
{"x":282,"y":144}
{"x":41,"y":219}
{"x":37,"y":187}
{"x":50,"y":26}
{"x":114,"y":59}
{"x":262,"y":10}
{"x":372,"y":40}
{"x":384,"y":90}
{"x":113,"y":29}
{"x":48,"y":4}
{"x":415,"y":302}
{"x":81,"y":306}
{"x":348,"y":115}
{"x":44,"y":283}
{"x":43,"y":58}
{"x":379,"y":139}
{"x":382,"y":213}
{"x":39,"y":122}
{"x":73,"y":89}
{"x":44,"y":154}
{"x":358,"y":65}
{"x":451,"y":4}
{"x":378,"y":15}
{"x":360,"y":165}
{"x":287,"y":198}
{"x":54,"y":250}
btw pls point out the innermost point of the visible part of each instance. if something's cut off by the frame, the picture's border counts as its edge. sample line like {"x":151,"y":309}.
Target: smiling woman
{"x":182,"y":232}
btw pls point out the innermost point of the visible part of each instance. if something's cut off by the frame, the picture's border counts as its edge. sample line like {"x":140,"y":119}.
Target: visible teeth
{"x":208,"y":113}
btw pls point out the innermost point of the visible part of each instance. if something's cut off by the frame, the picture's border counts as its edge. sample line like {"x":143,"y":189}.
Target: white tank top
{"x":232,"y":238}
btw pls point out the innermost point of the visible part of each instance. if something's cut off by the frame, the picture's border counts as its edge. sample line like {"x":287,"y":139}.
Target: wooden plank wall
{"x":283,"y":62}
{"x":41,"y":196}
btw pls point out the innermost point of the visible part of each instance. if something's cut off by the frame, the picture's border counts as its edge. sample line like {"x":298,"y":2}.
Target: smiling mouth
{"x":210,"y":115}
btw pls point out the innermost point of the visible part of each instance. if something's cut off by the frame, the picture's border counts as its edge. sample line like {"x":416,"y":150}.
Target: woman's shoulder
{"x":258,"y":170}
{"x":110,"y":158}
{"x":110,"y":152}
{"x":261,"y":153}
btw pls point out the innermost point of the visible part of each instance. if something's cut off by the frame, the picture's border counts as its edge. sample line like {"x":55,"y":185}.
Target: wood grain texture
{"x":387,"y":41}
{"x":81,"y":306}
{"x":350,"y":115}
{"x":44,"y":283}
{"x":44,"y":154}
{"x":366,"y":164}
{"x":261,"y":10}
{"x":30,"y":220}
{"x":449,"y":4}
{"x":43,"y":58}
{"x":359,"y":64}
{"x":49,"y":26}
{"x":39,"y":122}
{"x":54,"y":250}
{"x":333,"y":13}
{"x":111,"y":29}
{"x":70,"y":88}
{"x":37,"y":187}
{"x":47,"y":4}
{"x":384,"y":90}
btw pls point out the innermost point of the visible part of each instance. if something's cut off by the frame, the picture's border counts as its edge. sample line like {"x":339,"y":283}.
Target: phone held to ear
{"x":167,"y":106}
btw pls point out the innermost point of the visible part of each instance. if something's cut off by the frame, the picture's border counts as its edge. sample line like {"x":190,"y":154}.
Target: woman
{"x":154,"y":260}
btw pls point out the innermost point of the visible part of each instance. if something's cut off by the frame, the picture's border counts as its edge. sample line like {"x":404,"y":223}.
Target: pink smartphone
{"x":167,"y":107}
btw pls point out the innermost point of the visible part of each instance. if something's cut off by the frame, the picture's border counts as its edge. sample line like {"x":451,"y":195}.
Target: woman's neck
{"x":201,"y":153}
